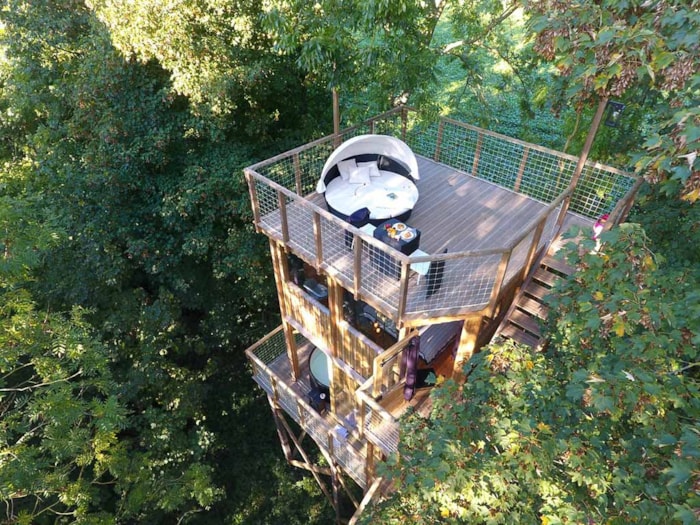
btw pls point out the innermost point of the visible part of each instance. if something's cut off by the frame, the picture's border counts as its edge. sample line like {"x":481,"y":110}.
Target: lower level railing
{"x":291,"y":397}
{"x":374,"y":424}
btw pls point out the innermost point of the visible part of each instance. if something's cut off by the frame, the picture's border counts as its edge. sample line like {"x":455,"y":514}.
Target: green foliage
{"x":633,"y":51}
{"x":127,"y":204}
{"x":602,"y":427}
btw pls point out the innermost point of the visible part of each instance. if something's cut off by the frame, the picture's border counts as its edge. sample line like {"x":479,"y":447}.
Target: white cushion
{"x":359,"y":175}
{"x":344,"y":167}
{"x":373,"y":167}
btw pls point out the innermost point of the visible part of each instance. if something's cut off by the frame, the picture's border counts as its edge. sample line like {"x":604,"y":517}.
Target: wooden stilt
{"x":467,"y":345}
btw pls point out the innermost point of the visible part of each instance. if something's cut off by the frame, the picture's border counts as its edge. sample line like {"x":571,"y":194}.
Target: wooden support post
{"x":286,"y":448}
{"x":438,"y":141}
{"x":281,"y":269}
{"x":297,"y":174}
{"x":467,"y":346}
{"x":254,"y":199}
{"x":404,"y":122}
{"x":403,"y":292}
{"x":532,"y":251}
{"x":477,"y":154}
{"x":498,"y":282}
{"x":336,"y":118}
{"x":521,"y":170}
{"x":586,"y":150}
{"x":282,"y":202}
{"x":357,"y":265}
{"x":335,"y":306}
{"x":319,"y":240}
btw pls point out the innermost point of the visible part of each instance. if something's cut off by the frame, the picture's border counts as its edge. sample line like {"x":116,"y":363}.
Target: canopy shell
{"x":371,"y":144}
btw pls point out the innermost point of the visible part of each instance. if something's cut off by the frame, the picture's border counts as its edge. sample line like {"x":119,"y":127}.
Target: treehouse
{"x":398,"y":246}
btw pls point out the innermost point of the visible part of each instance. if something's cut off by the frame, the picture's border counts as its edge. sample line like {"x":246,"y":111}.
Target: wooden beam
{"x":467,"y":346}
{"x":319,"y":240}
{"x":438,"y":141}
{"x":521,"y":170}
{"x":297,"y":174}
{"x":286,"y":448}
{"x":320,"y":482}
{"x":372,"y":491}
{"x":311,"y":468}
{"x":282,"y":202}
{"x":477,"y":153}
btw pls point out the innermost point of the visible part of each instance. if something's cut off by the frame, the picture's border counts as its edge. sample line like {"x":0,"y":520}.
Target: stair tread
{"x":556,"y":264}
{"x":536,"y":290}
{"x":525,"y":321}
{"x":513,"y":332}
{"x":546,"y":277}
{"x":533,"y":306}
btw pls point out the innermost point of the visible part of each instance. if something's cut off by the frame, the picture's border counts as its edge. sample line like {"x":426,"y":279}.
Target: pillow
{"x":359,"y":176}
{"x":344,"y":167}
{"x":373,"y":168}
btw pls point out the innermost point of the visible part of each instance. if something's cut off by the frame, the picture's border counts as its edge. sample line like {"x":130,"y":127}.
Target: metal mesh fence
{"x":352,"y":461}
{"x":545,"y":176}
{"x":381,"y":432}
{"x":460,"y":283}
{"x":598,"y":190}
{"x":499,"y":161}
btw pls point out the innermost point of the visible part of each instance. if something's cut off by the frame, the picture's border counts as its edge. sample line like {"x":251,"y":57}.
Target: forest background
{"x":132,"y":280}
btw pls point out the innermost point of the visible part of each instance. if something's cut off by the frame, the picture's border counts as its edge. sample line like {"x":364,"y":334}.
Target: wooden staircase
{"x":521,"y":321}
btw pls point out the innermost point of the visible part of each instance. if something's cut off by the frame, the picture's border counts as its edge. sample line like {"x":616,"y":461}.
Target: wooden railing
{"x":374,"y":423}
{"x":281,"y":188}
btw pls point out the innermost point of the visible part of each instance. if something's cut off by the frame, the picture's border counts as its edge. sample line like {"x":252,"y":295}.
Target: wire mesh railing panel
{"x":518,"y":256}
{"x":287,"y":399}
{"x":315,"y":426}
{"x":336,"y":243}
{"x":268,"y":205}
{"x":598,"y":190}
{"x":380,"y":274}
{"x":280,"y":171}
{"x":545,"y":175}
{"x":381,"y":432}
{"x":263,"y":379}
{"x":300,"y":221}
{"x":458,"y":146}
{"x":499,"y":161}
{"x":391,"y":125}
{"x":352,"y":462}
{"x":311,"y":162}
{"x":421,"y":137}
{"x":462,"y":283}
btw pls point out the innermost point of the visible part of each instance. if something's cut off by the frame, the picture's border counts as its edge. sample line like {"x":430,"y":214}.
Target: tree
{"x":151,"y":245}
{"x":599,"y":428}
{"x":634,"y":51}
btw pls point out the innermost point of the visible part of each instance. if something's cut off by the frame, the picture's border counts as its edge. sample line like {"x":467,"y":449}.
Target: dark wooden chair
{"x":433,"y":280}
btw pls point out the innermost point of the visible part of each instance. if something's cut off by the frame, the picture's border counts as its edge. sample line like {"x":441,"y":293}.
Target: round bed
{"x":373,"y":172}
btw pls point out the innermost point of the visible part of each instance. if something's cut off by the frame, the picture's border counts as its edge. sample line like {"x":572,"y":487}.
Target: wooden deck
{"x":455,"y":212}
{"x":463,"y":213}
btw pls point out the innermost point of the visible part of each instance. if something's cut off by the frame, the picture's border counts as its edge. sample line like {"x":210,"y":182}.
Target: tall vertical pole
{"x":583,"y":158}
{"x":336,"y":117}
